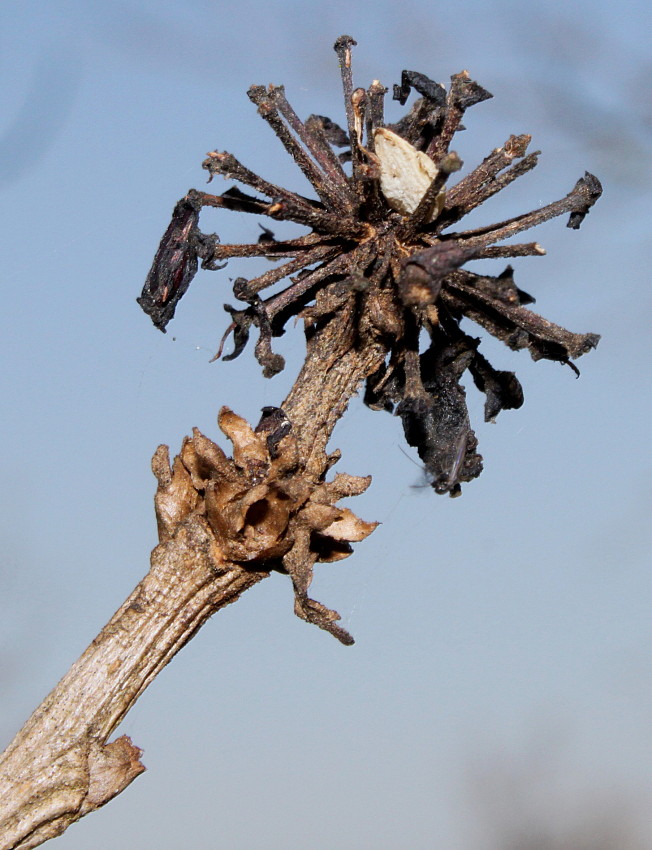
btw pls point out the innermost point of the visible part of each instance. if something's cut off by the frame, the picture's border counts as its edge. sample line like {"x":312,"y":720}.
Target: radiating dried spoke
{"x":343,"y":49}
{"x":480,"y":185}
{"x":257,"y":284}
{"x":342,"y":266}
{"x":526,"y":249}
{"x":464,"y":193}
{"x":268,"y":110}
{"x":333,"y":172}
{"x":268,"y":248}
{"x":464,"y":92}
{"x":578,"y":202}
{"x":285,"y":204}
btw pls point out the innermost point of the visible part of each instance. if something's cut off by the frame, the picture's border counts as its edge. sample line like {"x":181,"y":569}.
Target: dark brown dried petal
{"x":426,"y":87}
{"x":437,"y":423}
{"x":589,"y":189}
{"x":175,"y":264}
{"x":502,"y":389}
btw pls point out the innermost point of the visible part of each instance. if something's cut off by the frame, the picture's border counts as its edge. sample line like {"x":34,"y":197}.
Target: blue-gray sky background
{"x":501,"y":680}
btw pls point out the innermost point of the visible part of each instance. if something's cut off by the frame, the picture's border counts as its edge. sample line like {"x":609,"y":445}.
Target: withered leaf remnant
{"x":384,"y":254}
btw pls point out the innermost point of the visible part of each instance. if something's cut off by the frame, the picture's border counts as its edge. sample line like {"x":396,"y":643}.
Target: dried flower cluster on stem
{"x":379,"y":268}
{"x":384,"y":257}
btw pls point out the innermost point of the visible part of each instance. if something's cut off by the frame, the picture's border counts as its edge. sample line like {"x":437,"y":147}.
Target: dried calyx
{"x":260,"y":507}
{"x":381,"y":244}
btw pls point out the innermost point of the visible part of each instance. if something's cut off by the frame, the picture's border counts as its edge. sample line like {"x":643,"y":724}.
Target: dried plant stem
{"x":335,"y":369}
{"x":60,"y":767}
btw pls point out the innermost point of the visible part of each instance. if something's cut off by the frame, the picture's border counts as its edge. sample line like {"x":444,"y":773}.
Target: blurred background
{"x":499,"y":694}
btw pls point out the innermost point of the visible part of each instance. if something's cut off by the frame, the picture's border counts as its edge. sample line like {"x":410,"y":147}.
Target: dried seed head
{"x":380,"y":247}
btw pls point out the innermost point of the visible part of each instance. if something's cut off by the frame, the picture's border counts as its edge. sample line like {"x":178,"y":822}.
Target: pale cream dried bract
{"x":405,"y":172}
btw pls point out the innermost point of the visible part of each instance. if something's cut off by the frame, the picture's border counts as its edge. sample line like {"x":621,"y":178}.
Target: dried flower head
{"x":259,"y":508}
{"x":381,"y":245}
